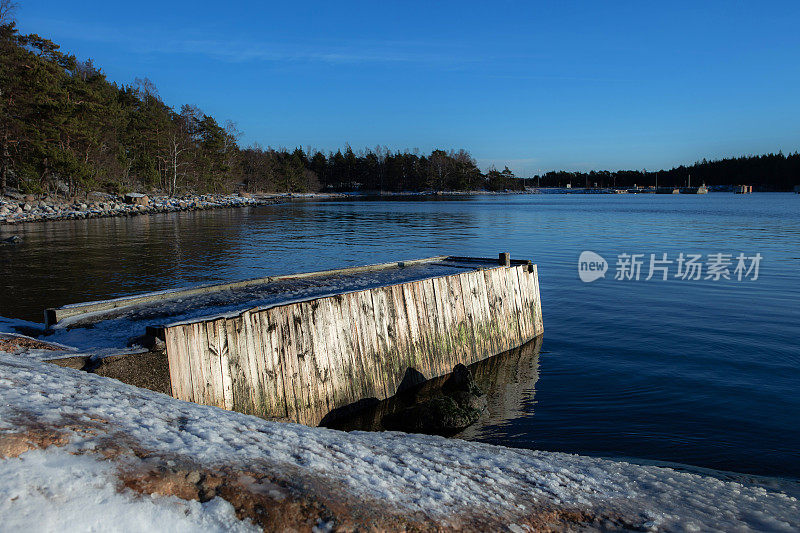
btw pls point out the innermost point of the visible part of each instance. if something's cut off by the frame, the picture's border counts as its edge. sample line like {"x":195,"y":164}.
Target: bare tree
{"x":144,"y":88}
{"x":7,"y":10}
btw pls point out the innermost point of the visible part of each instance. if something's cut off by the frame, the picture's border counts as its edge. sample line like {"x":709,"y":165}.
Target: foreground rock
{"x":459,"y":405}
{"x":18,"y":344}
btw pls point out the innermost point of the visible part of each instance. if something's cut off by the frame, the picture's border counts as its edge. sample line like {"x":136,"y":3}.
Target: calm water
{"x":697,"y":372}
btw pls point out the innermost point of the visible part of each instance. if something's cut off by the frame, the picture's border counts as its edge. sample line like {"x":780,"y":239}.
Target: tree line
{"x":65,"y":128}
{"x":770,"y":172}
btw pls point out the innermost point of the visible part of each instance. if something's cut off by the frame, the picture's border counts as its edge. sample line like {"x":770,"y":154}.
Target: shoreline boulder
{"x":459,"y":405}
{"x":136,"y":198}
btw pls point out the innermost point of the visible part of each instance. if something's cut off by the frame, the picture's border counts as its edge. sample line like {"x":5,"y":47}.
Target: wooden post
{"x":505,"y":259}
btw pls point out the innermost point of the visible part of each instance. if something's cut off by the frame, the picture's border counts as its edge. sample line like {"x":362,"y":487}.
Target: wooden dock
{"x":302,"y":359}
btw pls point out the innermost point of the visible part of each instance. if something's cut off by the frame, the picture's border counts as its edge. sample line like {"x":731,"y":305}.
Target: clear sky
{"x":537,"y":85}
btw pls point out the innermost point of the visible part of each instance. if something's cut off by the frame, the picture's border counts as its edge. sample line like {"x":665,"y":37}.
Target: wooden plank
{"x":526,"y":296}
{"x":363,"y":370}
{"x":400,"y":333}
{"x":211,"y":367}
{"x":252,"y":347}
{"x":271,"y":322}
{"x":224,"y":364}
{"x":385,"y":348}
{"x":539,"y":321}
{"x":192,"y":390}
{"x":397,"y":362}
{"x":263,"y":396}
{"x":509,"y":306}
{"x":440,"y":336}
{"x":472,"y":311}
{"x":371,"y":344}
{"x":240,"y":396}
{"x":513,"y":287}
{"x":273,"y":375}
{"x":502,"y":301}
{"x":191,"y":364}
{"x":339,"y":357}
{"x":495,"y":310}
{"x":490,"y":329}
{"x":416,"y":339}
{"x":426,"y":344}
{"x":437,"y":335}
{"x":360,"y":269}
{"x":178,"y":365}
{"x":323,"y":386}
{"x":368,"y":343}
{"x":525,"y":318}
{"x":311,"y":360}
{"x":450,"y":318}
{"x":466,"y":331}
{"x":337,"y":361}
{"x":530,"y":277}
{"x":393,"y":364}
{"x":481,"y":309}
{"x":213,"y":360}
{"x":245,"y":388}
{"x":349,"y":351}
{"x":198,"y":355}
{"x":288,"y":359}
{"x":533,"y":297}
{"x":296,"y":358}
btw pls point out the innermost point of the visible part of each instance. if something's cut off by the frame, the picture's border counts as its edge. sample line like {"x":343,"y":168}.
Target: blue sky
{"x":536,"y":85}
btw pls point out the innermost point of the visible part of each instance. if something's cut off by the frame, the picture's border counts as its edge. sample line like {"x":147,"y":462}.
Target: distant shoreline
{"x":20,"y":209}
{"x":27,"y":208}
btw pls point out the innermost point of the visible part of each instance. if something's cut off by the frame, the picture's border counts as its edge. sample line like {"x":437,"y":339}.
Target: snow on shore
{"x":109,"y":448}
{"x":54,"y":490}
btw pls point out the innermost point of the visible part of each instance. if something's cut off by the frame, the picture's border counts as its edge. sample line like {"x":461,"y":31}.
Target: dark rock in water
{"x":460,"y":380}
{"x":439,"y":416}
{"x":412,"y":378}
{"x":14,"y":239}
{"x":348,"y":411}
{"x":460,"y":405}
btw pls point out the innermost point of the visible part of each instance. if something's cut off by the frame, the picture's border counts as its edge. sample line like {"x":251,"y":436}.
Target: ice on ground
{"x":424,"y":476}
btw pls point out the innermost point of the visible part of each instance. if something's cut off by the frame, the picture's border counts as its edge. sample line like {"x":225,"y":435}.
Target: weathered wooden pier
{"x":305,"y":354}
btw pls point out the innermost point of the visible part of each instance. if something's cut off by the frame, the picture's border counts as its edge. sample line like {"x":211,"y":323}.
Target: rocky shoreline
{"x":19,"y":208}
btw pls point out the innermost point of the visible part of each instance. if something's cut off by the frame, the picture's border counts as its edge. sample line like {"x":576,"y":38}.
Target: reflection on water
{"x":508,"y":380}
